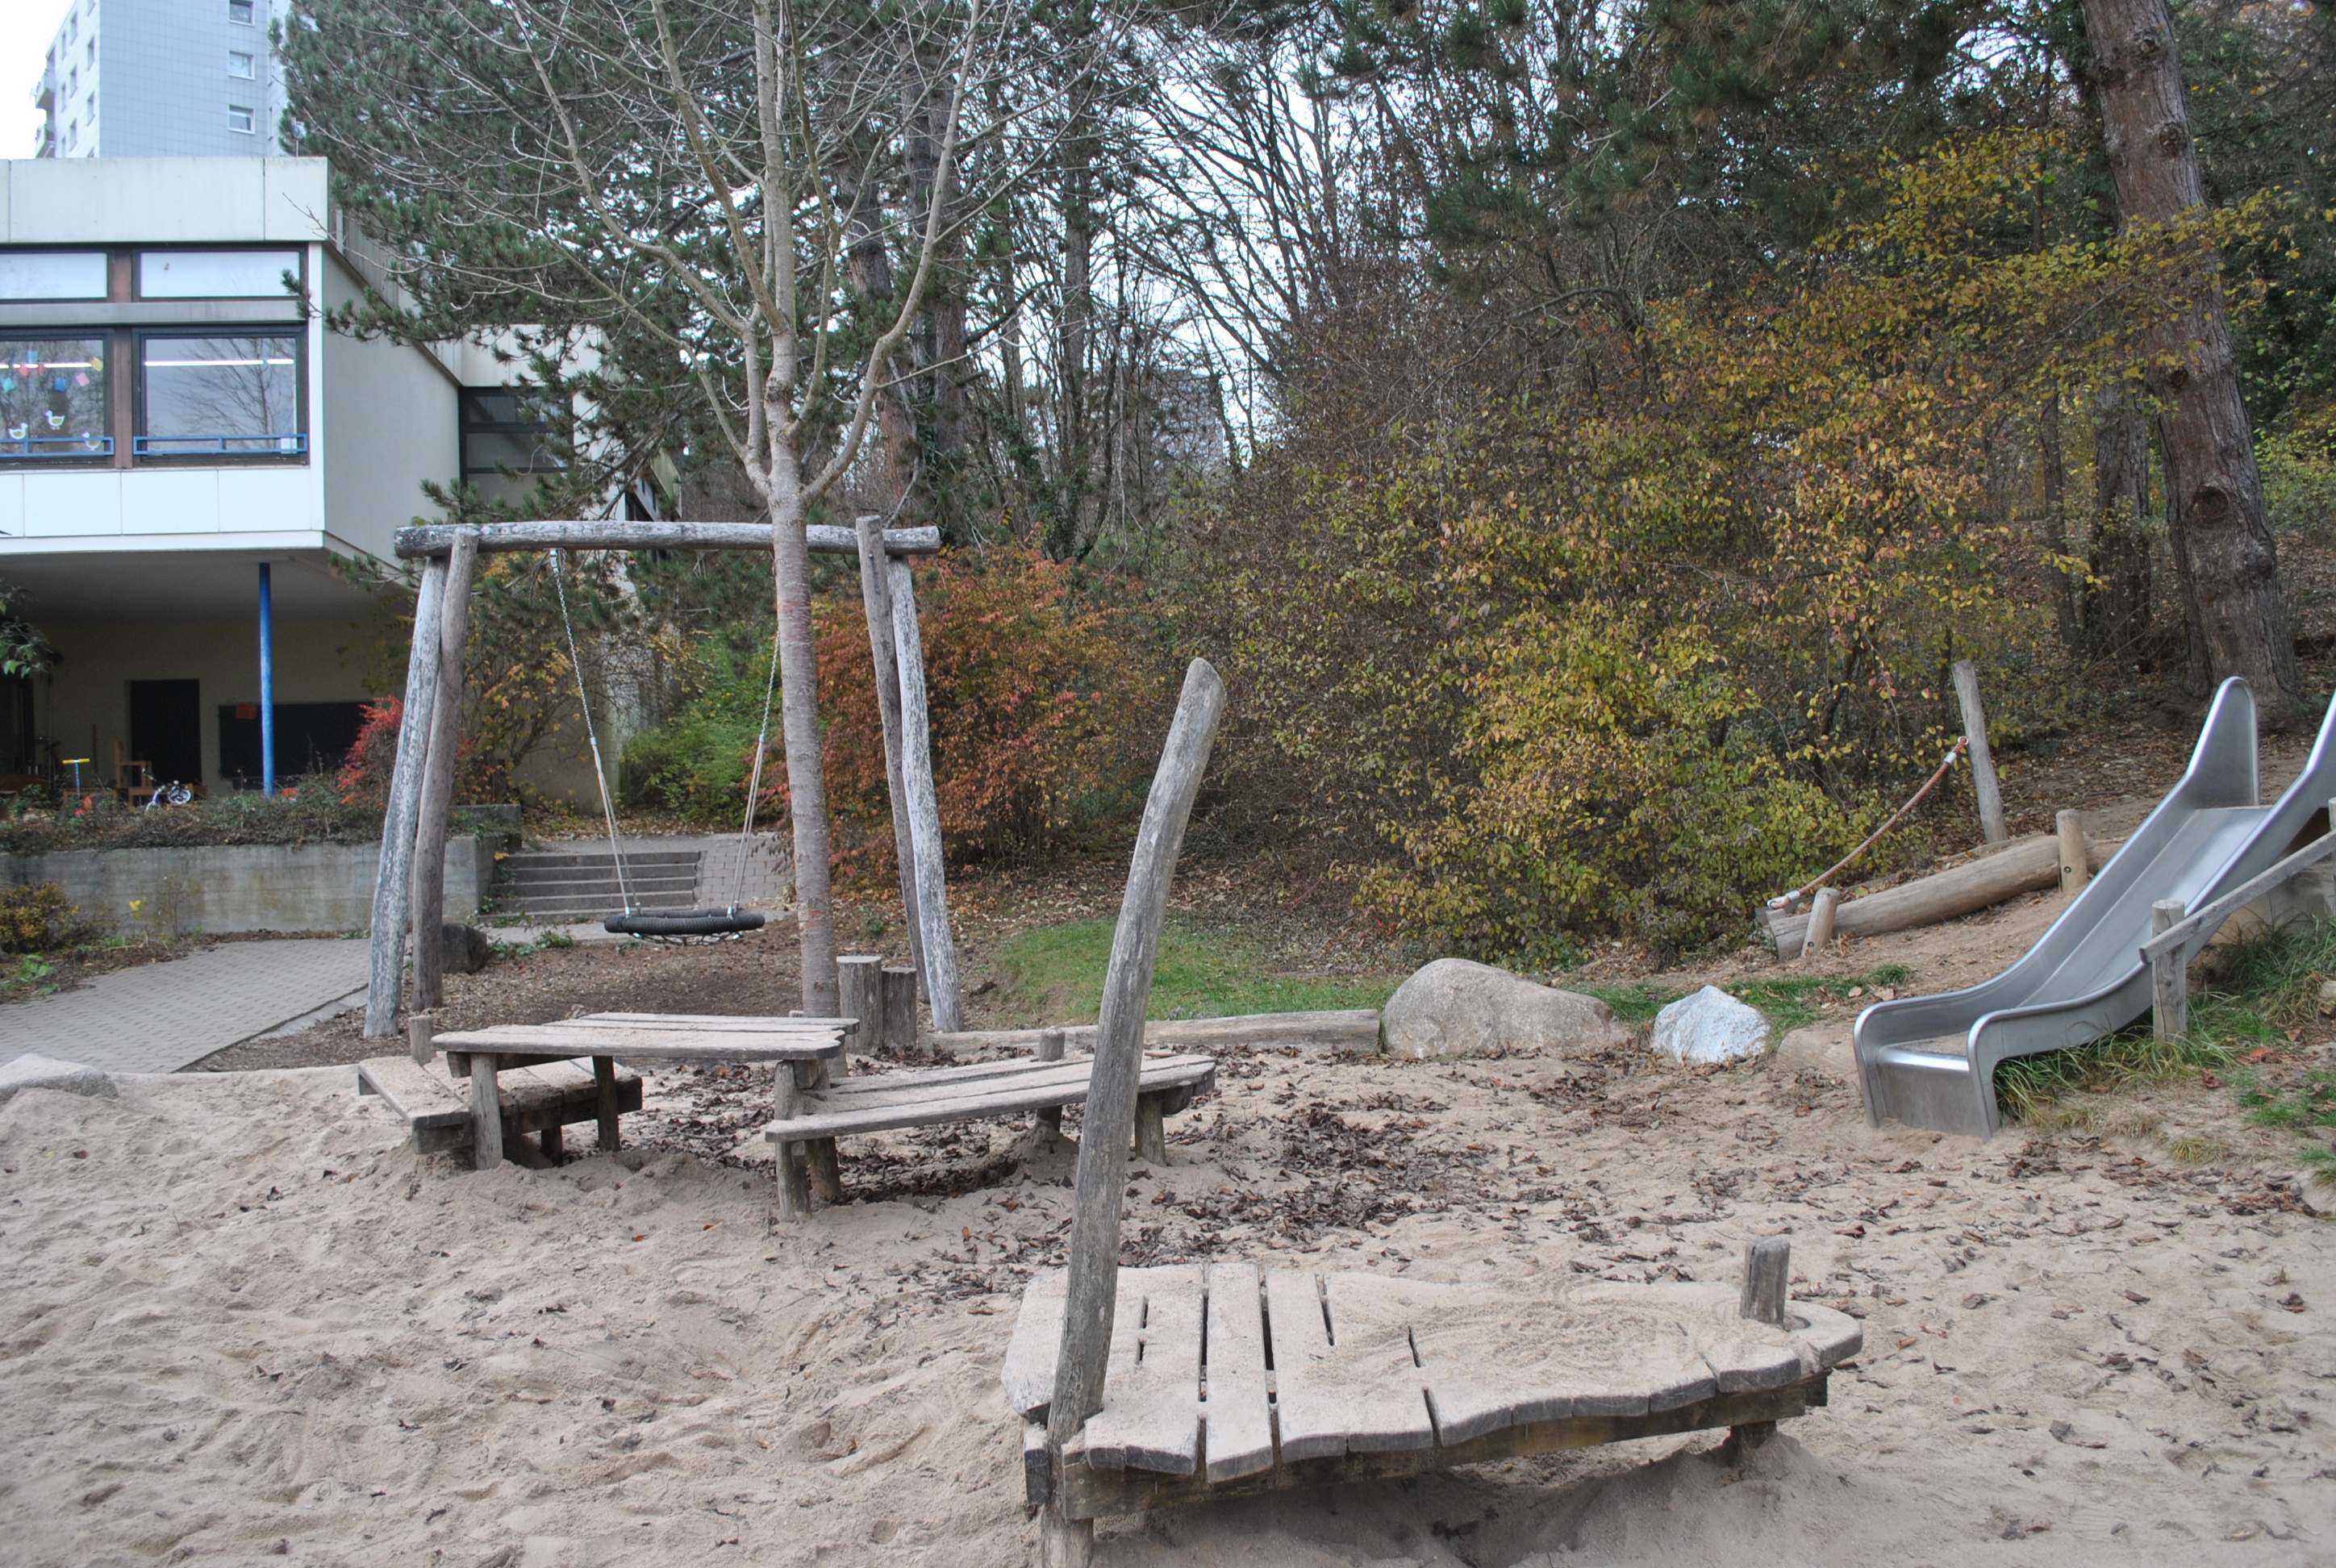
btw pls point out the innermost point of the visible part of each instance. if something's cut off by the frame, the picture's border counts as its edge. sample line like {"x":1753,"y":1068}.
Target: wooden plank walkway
{"x":885,"y":1102}
{"x":1376,"y":1377}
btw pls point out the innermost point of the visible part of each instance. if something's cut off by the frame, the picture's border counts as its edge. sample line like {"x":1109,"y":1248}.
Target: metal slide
{"x":1930,"y":1061}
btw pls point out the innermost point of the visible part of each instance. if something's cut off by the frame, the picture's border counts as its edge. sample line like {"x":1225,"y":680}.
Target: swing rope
{"x":754,"y":785}
{"x":591,"y":734}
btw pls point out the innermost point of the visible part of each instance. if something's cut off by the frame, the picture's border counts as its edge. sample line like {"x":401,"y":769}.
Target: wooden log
{"x":1152,"y":1128}
{"x":900,"y":988}
{"x":1767,"y":1271}
{"x":429,"y":896}
{"x":1982,"y":760}
{"x":421,"y":1037}
{"x":859,"y":994}
{"x":1050,"y":1049}
{"x":942,"y":993}
{"x":794,"y":1188}
{"x":486,"y":1114}
{"x":1819,"y":935}
{"x":435,"y":539}
{"x":2076,"y":859}
{"x":392,"y":886}
{"x":2024,"y":866}
{"x":2170,"y":974}
{"x":876,"y":599}
{"x":1353,"y":1029}
{"x":1091,"y":1290}
{"x":604,"y":1078}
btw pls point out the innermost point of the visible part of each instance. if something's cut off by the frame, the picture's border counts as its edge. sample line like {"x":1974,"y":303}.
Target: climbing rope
{"x":591,"y":734}
{"x":1787,"y":901}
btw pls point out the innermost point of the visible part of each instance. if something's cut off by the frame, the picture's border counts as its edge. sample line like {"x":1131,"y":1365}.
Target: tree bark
{"x":2117,"y":605}
{"x":2224,"y":533}
{"x":799,"y":715}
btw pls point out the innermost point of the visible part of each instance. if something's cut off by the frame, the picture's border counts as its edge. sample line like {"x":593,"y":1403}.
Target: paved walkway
{"x":158,"y":1018}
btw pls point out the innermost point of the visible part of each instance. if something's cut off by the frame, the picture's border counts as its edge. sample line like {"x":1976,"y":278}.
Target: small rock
{"x":463,"y":950}
{"x":2328,"y":990}
{"x":1709,"y":1026}
{"x":1454,"y":1008}
{"x":2061,"y":1431}
{"x":36,"y":1072}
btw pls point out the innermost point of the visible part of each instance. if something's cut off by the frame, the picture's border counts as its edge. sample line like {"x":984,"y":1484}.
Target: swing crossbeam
{"x":437,"y":539}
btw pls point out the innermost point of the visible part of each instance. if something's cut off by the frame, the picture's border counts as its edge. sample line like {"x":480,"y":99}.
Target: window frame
{"x":250,"y":126}
{"x":250,"y":71}
{"x":242,"y":13}
{"x":82,"y":457}
{"x":137,"y":253}
{"x":139,"y":435}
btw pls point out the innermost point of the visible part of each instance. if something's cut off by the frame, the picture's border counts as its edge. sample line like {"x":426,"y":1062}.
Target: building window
{"x":53,"y":401}
{"x":239,"y":117}
{"x":52,"y":273}
{"x":221,"y":396}
{"x":239,"y":11}
{"x":239,"y":63}
{"x":505,"y":431}
{"x":215,"y":274}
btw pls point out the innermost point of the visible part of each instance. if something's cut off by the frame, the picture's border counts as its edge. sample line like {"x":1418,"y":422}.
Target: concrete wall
{"x":161,"y":200}
{"x":382,"y":422}
{"x":85,"y":704}
{"x":239,"y":888}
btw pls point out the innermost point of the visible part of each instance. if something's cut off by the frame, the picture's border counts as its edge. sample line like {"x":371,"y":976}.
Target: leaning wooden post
{"x":438,"y":775}
{"x":1092,"y":1287}
{"x":2169,"y":976}
{"x":876,"y":598}
{"x":1990,"y":797}
{"x":392,"y":887}
{"x":924,"y":808}
{"x":1819,"y":936}
{"x":2075,"y":861}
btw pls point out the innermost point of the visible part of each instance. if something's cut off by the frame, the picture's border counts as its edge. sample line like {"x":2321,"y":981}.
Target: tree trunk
{"x":799,"y":713}
{"x":2055,"y":513}
{"x":1071,"y":374}
{"x":2223,"y":534}
{"x":2116,"y":605}
{"x":945,"y":312}
{"x":872,"y":278}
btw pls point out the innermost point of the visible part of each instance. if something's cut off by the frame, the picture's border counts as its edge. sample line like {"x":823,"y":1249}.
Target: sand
{"x":242,"y":1322}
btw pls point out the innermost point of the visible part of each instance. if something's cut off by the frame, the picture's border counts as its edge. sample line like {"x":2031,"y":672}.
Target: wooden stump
{"x":1151,"y":1129}
{"x":1050,"y":1049}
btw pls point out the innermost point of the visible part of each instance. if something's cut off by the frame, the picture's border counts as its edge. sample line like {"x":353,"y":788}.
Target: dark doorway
{"x":311,"y":737}
{"x":166,"y":729}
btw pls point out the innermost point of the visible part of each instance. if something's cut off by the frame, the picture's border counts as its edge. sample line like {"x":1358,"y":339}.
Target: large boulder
{"x":1454,"y":1008}
{"x":1709,"y":1026}
{"x":463,"y":950}
{"x":32,"y":1072}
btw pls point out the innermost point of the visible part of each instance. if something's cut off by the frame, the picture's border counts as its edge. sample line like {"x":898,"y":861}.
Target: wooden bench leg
{"x":1064,"y":1543}
{"x":604,"y":1076}
{"x":819,"y":1161}
{"x":550,"y":1139}
{"x":486,"y":1114}
{"x":1152,"y":1128}
{"x":794,"y":1190}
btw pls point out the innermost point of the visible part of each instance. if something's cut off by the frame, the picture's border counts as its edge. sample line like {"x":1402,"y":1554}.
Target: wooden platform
{"x":884,"y":1102}
{"x":654,"y":1036}
{"x":545,"y":1097}
{"x":1224,"y":1380}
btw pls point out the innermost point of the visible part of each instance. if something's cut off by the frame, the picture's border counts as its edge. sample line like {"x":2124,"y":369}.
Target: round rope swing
{"x":725,"y":924}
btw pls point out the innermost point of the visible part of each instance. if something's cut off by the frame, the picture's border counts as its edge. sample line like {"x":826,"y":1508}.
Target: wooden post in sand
{"x":2169,"y":979}
{"x":876,"y":599}
{"x":1050,"y":1049}
{"x":1090,"y":1291}
{"x":437,"y":797}
{"x":2075,"y":864}
{"x":1819,"y":935}
{"x":393,"y":886}
{"x":1767,"y":1270}
{"x":486,"y":1114}
{"x":1983,"y":785}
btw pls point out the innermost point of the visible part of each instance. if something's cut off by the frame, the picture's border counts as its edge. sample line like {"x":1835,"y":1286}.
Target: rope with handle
{"x":1787,"y":901}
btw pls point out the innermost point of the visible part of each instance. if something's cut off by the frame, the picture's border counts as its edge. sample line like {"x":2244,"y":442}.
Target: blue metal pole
{"x":267,"y":686}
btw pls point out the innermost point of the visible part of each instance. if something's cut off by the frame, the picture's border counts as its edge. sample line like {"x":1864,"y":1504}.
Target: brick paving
{"x":159,"y":1017}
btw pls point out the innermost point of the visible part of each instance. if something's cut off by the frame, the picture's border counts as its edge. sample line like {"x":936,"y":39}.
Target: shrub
{"x":35,"y":919}
{"x":366,"y":773}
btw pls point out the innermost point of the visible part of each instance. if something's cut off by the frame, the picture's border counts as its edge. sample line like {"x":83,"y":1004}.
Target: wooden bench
{"x":542,"y":1098}
{"x":886,"y":1101}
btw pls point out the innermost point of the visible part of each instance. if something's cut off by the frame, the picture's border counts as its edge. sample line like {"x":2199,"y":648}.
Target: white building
{"x":176,"y":424}
{"x":162,"y":79}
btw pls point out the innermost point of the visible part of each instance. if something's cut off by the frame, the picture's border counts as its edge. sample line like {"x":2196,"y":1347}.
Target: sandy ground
{"x":242,"y":1322}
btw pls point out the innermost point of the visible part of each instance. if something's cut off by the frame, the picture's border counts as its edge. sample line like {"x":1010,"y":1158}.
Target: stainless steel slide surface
{"x":1931,"y":1061}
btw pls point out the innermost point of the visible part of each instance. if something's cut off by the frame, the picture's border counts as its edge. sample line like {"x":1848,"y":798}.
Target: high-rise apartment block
{"x":162,"y":79}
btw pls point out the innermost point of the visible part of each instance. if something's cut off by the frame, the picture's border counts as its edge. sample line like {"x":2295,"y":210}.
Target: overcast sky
{"x":24,"y":50}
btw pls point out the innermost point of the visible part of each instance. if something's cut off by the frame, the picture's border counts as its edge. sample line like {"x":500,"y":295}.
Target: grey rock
{"x":1709,"y":1026}
{"x":34,"y":1071}
{"x":464,"y":949}
{"x":1454,"y":1008}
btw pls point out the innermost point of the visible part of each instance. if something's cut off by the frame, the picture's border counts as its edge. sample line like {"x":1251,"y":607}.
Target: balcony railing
{"x":282,"y":444}
{"x":57,"y":446}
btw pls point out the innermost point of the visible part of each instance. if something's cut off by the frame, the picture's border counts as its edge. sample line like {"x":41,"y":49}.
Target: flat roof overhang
{"x":146,"y":578}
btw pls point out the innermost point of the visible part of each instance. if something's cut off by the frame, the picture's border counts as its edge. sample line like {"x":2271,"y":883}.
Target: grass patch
{"x":1786,"y":1004}
{"x":2268,"y":992}
{"x":1054,"y":975}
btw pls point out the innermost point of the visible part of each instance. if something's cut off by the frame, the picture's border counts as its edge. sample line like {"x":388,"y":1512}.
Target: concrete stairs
{"x":581,"y":884}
